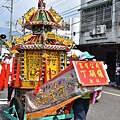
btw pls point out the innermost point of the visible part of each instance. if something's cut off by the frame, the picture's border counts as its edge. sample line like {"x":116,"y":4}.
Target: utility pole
{"x":11,"y":13}
{"x":10,"y":8}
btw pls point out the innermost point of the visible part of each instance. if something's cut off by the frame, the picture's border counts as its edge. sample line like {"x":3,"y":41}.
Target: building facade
{"x":100,"y":31}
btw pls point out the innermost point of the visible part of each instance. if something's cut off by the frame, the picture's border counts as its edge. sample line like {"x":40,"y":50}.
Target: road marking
{"x":111,"y":93}
{"x":3,"y":102}
{"x":3,"y":99}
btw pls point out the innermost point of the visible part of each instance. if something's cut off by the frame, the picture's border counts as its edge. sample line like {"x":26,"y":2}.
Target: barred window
{"x":97,"y":16}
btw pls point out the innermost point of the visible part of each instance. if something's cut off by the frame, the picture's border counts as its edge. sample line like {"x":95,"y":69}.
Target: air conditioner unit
{"x":92,"y":32}
{"x":101,"y":29}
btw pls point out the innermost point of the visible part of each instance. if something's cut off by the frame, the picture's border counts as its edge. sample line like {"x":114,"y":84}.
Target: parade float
{"x":45,"y":87}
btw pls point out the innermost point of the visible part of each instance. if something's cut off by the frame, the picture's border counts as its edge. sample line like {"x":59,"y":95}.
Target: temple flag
{"x":17,"y":75}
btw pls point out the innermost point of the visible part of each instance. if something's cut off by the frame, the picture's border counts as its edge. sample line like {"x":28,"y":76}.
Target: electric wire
{"x":2,"y":8}
{"x":107,"y":13}
{"x":2,"y":2}
{"x":65,"y":11}
{"x":117,"y":22}
{"x":76,"y":7}
{"x":63,"y":3}
{"x":68,"y":11}
{"x":18,"y":0}
{"x":54,"y":2}
{"x":92,"y":21}
{"x":7,"y":5}
{"x":74,"y":14}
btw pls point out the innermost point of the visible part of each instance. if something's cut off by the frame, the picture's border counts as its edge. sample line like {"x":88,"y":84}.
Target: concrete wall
{"x":111,"y":35}
{"x":75,"y":30}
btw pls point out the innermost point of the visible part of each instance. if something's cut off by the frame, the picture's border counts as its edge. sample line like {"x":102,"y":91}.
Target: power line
{"x":11,"y":13}
{"x":95,"y":20}
{"x":66,"y":13}
{"x":1,"y":2}
{"x":4,"y":6}
{"x":16,"y":1}
{"x":80,"y":21}
{"x":63,"y":3}
{"x":69,"y":9}
{"x":95,"y":12}
{"x":71,"y":15}
{"x":54,"y":2}
{"x":51,"y":3}
{"x":74,"y":13}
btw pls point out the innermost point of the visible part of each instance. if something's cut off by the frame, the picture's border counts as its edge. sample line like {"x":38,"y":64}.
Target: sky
{"x":20,"y":7}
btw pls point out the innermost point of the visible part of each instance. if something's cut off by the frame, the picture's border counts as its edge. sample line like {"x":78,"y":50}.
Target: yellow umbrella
{"x":14,"y":51}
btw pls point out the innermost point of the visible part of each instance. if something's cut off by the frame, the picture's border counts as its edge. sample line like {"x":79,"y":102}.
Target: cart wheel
{"x":18,"y":106}
{"x":55,"y":118}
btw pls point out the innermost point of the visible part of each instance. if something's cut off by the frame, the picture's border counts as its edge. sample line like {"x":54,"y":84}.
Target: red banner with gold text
{"x":90,"y":73}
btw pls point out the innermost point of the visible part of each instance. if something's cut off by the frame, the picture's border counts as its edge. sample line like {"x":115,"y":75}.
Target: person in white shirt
{"x":117,"y":74}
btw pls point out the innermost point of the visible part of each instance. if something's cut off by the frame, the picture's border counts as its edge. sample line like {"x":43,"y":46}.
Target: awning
{"x":95,"y":5}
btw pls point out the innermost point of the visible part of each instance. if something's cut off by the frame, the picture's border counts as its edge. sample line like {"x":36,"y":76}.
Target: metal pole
{"x":11,"y":12}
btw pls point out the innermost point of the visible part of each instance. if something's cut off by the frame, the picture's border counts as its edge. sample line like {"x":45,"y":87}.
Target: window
{"x":107,"y":14}
{"x":97,"y":16}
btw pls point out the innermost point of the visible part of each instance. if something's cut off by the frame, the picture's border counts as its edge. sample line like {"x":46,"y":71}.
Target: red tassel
{"x":17,"y":75}
{"x":45,"y":73}
{"x":50,"y":75}
{"x":37,"y":88}
{"x":7,"y":73}
{"x":13,"y":61}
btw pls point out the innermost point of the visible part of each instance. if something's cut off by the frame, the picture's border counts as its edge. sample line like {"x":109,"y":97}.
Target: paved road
{"x":2,"y":108}
{"x":3,"y":103}
{"x":108,"y":107}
